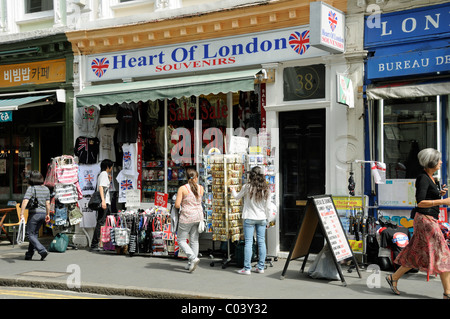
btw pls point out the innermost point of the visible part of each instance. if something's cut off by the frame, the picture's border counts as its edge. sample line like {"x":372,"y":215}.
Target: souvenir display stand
{"x":226,"y":216}
{"x":62,"y":180}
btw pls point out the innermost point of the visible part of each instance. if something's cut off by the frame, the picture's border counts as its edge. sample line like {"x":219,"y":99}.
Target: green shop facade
{"x":36,"y":109}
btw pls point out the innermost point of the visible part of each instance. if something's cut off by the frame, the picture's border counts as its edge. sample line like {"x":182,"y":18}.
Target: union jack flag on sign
{"x":332,"y":20}
{"x":99,"y":66}
{"x":299,"y":42}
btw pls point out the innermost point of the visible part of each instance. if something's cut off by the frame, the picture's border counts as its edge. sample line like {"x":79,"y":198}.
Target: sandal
{"x":446,"y":296}
{"x":391,"y":284}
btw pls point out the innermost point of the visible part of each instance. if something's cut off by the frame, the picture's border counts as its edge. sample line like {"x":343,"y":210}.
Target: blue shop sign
{"x":5,"y":116}
{"x":402,"y":64}
{"x":407,"y":26}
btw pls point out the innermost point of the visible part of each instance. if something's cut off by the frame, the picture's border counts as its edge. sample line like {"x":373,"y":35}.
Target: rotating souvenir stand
{"x":226,"y":211}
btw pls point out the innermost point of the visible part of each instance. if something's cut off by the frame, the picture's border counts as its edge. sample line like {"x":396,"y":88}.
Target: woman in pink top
{"x":189,"y":201}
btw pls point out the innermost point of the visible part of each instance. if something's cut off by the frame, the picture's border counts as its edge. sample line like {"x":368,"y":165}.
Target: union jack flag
{"x":126,"y":184}
{"x":299,"y":42}
{"x":332,"y":20}
{"x":83,"y":144}
{"x":89,"y":177}
{"x":126,"y":157}
{"x":99,"y":66}
{"x":167,"y":232}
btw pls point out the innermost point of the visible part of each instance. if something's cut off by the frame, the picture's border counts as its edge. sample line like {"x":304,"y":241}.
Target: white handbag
{"x":21,"y":232}
{"x":201,"y":226}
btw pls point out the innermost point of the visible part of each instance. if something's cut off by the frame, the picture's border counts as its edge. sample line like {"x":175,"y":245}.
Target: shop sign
{"x":408,"y":26}
{"x":327,"y":27}
{"x":5,"y":116}
{"x":161,"y":199}
{"x":50,"y":71}
{"x":236,"y":51}
{"x":409,"y":63}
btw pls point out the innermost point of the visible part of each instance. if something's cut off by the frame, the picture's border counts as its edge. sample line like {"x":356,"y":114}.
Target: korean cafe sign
{"x":236,"y":51}
{"x":49,"y":71}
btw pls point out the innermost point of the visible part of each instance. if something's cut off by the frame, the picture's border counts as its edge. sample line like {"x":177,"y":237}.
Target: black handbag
{"x":95,"y":203}
{"x":33,"y":203}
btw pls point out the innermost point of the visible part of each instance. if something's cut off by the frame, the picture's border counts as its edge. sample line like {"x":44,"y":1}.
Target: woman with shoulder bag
{"x":38,"y":213}
{"x":427,"y":250}
{"x":189,"y":199}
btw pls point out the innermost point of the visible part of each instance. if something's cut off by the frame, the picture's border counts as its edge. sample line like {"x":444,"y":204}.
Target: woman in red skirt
{"x":427,"y":250}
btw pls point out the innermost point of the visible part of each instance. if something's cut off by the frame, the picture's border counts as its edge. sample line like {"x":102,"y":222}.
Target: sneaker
{"x":188,"y":265}
{"x":244,"y":271}
{"x":193,"y":264}
{"x":259,"y":271}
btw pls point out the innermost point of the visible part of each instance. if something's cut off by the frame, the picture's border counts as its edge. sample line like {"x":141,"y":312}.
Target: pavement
{"x":165,"y":278}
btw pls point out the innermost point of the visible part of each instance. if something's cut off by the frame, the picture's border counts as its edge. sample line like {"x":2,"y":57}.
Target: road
{"x":36,"y":293}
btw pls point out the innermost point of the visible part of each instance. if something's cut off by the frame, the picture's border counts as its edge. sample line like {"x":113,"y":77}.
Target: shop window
{"x":408,"y":126}
{"x":211,"y":112}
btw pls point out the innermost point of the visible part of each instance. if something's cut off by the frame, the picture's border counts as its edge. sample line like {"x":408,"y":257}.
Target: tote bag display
{"x":66,"y":194}
{"x":105,"y":231}
{"x":66,"y":170}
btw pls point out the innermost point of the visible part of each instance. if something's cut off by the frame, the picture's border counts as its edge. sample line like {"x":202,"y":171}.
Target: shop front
{"x":186,"y":101}
{"x":407,"y":91}
{"x":35,"y":110}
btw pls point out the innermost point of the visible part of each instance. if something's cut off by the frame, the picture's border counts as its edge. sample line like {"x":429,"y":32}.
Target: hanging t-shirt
{"x":106,"y":148}
{"x":86,"y":149}
{"x":126,"y":182}
{"x":129,"y":159}
{"x":128,"y":117}
{"x":87,"y":177}
{"x":87,"y":118}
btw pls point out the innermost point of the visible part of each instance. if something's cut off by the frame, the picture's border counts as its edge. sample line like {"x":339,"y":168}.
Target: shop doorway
{"x":302,"y":165}
{"x":51,"y":141}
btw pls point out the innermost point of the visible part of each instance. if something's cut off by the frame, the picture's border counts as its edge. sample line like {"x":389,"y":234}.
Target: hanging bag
{"x":50,"y":178}
{"x":75,"y":214}
{"x":105,"y":231}
{"x":67,"y":170}
{"x":66,"y":193}
{"x":60,"y":214}
{"x":122,"y":234}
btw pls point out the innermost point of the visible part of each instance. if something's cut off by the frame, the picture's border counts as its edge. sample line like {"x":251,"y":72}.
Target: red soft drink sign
{"x":161,"y":199}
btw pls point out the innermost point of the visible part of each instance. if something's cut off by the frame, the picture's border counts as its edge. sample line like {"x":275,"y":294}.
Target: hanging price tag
{"x":161,"y":199}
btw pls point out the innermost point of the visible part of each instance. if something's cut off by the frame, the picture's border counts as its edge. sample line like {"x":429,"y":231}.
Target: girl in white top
{"x":256,"y":200}
{"x":189,"y":199}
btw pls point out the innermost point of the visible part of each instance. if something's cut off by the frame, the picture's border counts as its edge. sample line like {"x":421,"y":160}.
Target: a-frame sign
{"x":320,"y":210}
